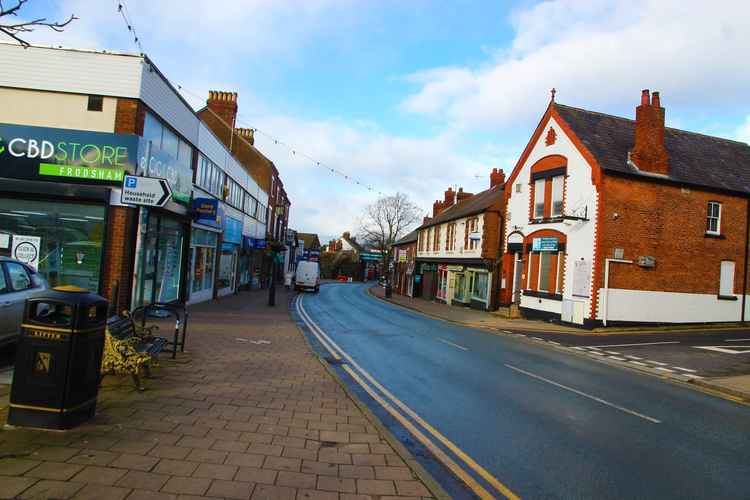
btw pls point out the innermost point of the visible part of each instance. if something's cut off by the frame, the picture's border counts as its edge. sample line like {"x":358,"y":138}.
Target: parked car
{"x":17,"y":283}
{"x":307,"y":277}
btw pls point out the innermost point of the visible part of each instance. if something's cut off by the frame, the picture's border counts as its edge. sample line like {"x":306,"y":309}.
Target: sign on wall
{"x":145,"y":191}
{"x":26,"y":249}
{"x":206,"y":211}
{"x":161,"y":164}
{"x":581,"y":278}
{"x":544,"y":245}
{"x":55,"y":155}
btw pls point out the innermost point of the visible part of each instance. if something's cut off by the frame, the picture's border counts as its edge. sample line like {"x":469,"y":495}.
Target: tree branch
{"x":14,"y":30}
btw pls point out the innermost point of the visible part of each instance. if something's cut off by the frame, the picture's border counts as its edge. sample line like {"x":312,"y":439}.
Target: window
{"x":3,"y":284}
{"x":519,"y":187}
{"x":726,"y":283}
{"x":471,"y":227}
{"x":479,"y":288}
{"x":539,"y":198}
{"x":545,"y":273}
{"x":436,"y":240}
{"x":713,"y":218}
{"x":96,"y":103}
{"x":251,"y":206}
{"x":429,"y":239}
{"x":450,"y":237}
{"x":235,"y":194}
{"x":19,"y":277}
{"x":557,"y":195}
{"x":210,"y":177}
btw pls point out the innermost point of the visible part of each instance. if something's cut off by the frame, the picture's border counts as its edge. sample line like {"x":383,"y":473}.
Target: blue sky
{"x":417,"y":95}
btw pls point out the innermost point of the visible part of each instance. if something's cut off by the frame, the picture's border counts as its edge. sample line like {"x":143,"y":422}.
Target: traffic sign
{"x":146,"y":191}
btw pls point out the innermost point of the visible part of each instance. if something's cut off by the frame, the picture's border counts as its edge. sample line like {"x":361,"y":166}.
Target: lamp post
{"x":276,"y":249}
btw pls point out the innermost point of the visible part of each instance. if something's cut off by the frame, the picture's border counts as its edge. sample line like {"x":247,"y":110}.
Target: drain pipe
{"x":605,"y":296}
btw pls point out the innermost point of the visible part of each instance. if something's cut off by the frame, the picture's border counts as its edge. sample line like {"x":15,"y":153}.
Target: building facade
{"x":611,"y":220}
{"x":459,"y":248}
{"x":404,"y":264}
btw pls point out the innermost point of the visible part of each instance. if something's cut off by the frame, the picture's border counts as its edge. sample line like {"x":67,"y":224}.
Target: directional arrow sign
{"x":146,"y":191}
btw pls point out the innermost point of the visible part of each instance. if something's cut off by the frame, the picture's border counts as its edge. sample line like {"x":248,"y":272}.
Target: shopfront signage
{"x":156,"y":163}
{"x":48,"y":154}
{"x":260,"y":244}
{"x":370,"y":256}
{"x":145,"y":191}
{"x":544,"y":245}
{"x":26,"y":249}
{"x":232,"y":230}
{"x":206,"y":211}
{"x":402,"y":255}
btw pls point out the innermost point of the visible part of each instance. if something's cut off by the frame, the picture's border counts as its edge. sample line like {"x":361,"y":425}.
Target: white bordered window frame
{"x":713,"y":218}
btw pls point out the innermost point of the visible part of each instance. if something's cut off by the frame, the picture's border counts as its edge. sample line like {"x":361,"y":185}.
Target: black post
{"x":272,"y":286}
{"x":387,"y":274}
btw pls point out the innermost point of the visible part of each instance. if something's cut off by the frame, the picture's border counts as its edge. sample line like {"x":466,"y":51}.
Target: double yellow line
{"x":338,"y":353}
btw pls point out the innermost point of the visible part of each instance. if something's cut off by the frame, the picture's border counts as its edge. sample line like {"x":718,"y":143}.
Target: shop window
{"x":726,"y":281}
{"x":159,"y":260}
{"x":713,"y":218}
{"x":479,"y":286}
{"x":96,"y":103}
{"x":70,"y":236}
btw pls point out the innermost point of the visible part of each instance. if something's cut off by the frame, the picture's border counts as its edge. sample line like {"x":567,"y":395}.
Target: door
{"x":19,"y":287}
{"x":517,"y":270}
{"x":460,"y":291}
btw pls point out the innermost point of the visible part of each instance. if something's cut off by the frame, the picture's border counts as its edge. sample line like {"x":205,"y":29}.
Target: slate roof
{"x":409,"y":238}
{"x":473,"y":205}
{"x":695,"y":159}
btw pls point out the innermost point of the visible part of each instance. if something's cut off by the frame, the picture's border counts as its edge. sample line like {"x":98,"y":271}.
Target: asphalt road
{"x":543,"y":423}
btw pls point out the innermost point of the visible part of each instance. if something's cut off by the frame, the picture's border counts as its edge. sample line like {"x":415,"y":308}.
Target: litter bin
{"x":56,"y":378}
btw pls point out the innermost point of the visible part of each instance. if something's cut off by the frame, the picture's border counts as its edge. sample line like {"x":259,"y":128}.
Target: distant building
{"x":311,"y":246}
{"x":404,"y":263}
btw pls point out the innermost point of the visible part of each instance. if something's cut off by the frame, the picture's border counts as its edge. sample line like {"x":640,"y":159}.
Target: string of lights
{"x":122,"y":9}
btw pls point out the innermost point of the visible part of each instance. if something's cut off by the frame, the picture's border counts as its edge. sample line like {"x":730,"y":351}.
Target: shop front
{"x":427,"y":279}
{"x":204,"y":237}
{"x":229,"y":257}
{"x":54,"y":199}
{"x":478,"y":287}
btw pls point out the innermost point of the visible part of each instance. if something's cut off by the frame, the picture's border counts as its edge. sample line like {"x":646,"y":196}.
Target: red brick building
{"x":404,"y":264}
{"x":612,"y":220}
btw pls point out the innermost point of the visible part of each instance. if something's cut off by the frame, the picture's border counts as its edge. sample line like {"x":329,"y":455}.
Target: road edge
{"x":699,"y":385}
{"x":419,"y":471}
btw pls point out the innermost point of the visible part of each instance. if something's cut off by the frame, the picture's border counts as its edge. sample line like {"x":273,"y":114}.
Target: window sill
{"x":726,"y":297}
{"x":543,"y":295}
{"x":714,"y":235}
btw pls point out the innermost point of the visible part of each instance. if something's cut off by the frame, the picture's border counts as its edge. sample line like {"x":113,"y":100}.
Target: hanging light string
{"x":293,"y":150}
{"x":122,"y":9}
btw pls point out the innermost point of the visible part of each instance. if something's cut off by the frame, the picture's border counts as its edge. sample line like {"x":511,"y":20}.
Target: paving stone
{"x":282,"y":463}
{"x":209,"y":456}
{"x":256,"y":475}
{"x":358,"y":437}
{"x":337,"y":484}
{"x":356,"y":448}
{"x":192,"y":430}
{"x":223,"y":434}
{"x":99,"y":475}
{"x":54,"y":470}
{"x":357,"y":471}
{"x":231,"y":489}
{"x":265,"y":492}
{"x":236,"y":446}
{"x":289,"y":442}
{"x":375,"y":487}
{"x":94,"y":457}
{"x":100,"y":492}
{"x":320,"y":468}
{"x":175,"y":467}
{"x":187,"y":485}
{"x":393,"y":473}
{"x":368,"y":459}
{"x":412,"y":488}
{"x":48,"y":490}
{"x":332,"y":455}
{"x":135,"y":447}
{"x":350,"y":496}
{"x":150,"y":495}
{"x":54,"y":453}
{"x":136,"y":462}
{"x":143,"y":480}
{"x":245,"y":459}
{"x":215,"y":471}
{"x":194,"y":442}
{"x":265,"y":449}
{"x":317,"y":495}
{"x":296,"y":479}
{"x":394,"y":461}
{"x":10,"y":487}
{"x":302,"y":453}
{"x":169,"y":451}
{"x":16,"y":466}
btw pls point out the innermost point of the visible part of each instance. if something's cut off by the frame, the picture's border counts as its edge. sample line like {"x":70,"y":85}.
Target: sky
{"x":415,"y":96}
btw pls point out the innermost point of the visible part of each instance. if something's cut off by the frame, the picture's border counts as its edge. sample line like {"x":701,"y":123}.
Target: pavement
{"x":247,"y":412}
{"x":524,"y":420}
{"x":717,"y":359}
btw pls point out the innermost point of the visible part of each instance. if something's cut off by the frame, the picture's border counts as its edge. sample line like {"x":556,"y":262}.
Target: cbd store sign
{"x":62,"y":155}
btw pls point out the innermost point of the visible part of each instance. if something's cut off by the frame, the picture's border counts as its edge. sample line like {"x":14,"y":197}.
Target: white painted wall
{"x":53,"y":109}
{"x":459,"y":251}
{"x":580,"y":192}
{"x":668,"y":307}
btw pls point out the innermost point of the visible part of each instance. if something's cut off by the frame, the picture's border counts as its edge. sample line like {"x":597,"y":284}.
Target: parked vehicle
{"x":308,"y":276}
{"x":17,"y":283}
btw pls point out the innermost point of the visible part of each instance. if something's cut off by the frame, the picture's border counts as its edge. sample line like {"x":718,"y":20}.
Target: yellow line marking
{"x":506,"y":492}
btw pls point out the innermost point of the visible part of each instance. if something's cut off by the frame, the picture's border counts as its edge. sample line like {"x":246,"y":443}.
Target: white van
{"x":308,"y":276}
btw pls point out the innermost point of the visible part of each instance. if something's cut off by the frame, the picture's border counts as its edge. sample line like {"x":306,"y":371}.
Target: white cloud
{"x":743,"y":132}
{"x":598,"y":55}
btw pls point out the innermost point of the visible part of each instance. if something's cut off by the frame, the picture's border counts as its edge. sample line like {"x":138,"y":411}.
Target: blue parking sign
{"x":131,"y":181}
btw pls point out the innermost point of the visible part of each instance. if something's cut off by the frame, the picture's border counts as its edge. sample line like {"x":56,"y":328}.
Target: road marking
{"x":589,"y":396}
{"x":664,"y":369}
{"x":454,"y":345}
{"x":632,"y":357}
{"x":638,"y":363}
{"x":553,"y":342}
{"x":617,"y":358}
{"x":634,"y":345}
{"x":656,"y":362}
{"x":613,"y":352}
{"x":736,"y":340}
{"x":685,"y":369}
{"x":537,"y":338}
{"x":332,"y":347}
{"x":506,"y":331}
{"x":724,"y":349}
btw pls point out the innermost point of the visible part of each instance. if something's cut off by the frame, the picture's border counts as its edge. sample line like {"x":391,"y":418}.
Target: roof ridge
{"x":609,"y":115}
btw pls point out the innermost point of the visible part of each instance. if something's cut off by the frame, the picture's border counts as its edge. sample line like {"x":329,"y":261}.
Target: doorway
{"x":517,"y":271}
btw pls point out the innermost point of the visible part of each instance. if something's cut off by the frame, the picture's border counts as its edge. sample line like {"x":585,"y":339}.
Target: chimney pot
{"x":644,"y":97}
{"x":655,"y":101}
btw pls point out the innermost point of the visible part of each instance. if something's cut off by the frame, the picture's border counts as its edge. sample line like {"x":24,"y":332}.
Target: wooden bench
{"x":130,"y":348}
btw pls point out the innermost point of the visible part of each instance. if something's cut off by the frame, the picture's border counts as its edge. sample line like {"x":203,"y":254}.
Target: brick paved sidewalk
{"x":229,"y":419}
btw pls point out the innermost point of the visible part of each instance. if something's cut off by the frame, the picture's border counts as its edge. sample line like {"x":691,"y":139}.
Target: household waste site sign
{"x":145,"y":191}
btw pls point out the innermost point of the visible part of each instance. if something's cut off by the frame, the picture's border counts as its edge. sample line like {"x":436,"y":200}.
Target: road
{"x":524,"y":420}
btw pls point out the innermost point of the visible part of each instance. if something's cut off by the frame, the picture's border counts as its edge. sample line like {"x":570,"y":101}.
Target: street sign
{"x":26,"y":249}
{"x":544,"y":245}
{"x":145,"y":191}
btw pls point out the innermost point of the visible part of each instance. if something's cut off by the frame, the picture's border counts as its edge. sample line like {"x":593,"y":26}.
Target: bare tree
{"x":386,"y":221}
{"x":17,"y":30}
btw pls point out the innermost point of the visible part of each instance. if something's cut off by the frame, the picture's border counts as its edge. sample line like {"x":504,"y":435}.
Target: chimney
{"x":426,"y":219}
{"x":450,"y":198}
{"x":649,"y":153}
{"x":248,"y":134}
{"x":437,"y":207}
{"x":497,"y":177}
{"x":223,"y":104}
{"x":346,"y":235}
{"x":462,"y":195}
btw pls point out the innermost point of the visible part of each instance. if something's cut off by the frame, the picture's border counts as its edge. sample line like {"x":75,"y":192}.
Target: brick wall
{"x":669,"y":223}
